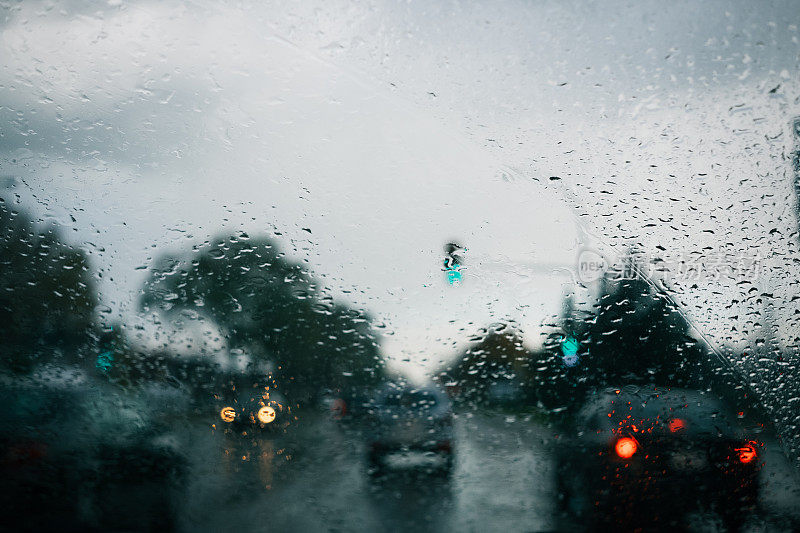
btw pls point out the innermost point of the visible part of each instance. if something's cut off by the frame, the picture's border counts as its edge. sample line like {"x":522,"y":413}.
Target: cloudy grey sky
{"x":389,"y":128}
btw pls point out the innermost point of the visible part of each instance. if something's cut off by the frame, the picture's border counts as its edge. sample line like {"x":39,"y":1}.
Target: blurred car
{"x":648,"y":457}
{"x":251,"y":409}
{"x":94,"y":459}
{"x":410,"y":420}
{"x":253,"y":419}
{"x":349,"y":407}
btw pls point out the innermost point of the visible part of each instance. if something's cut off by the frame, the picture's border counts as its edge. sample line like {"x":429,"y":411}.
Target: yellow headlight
{"x":266,"y":414}
{"x":227,"y":414}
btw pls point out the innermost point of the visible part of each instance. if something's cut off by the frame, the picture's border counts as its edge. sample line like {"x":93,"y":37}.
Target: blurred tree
{"x":493,"y":370}
{"x":270,"y":308}
{"x":121,"y":362}
{"x":636,"y":335}
{"x":47,"y":295}
{"x":640,"y":335}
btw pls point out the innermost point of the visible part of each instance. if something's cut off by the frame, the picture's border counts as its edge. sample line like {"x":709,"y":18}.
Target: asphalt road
{"x":315,"y":479}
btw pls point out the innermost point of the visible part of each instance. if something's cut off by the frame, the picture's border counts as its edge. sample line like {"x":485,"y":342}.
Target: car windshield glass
{"x":659,"y":410}
{"x":410,"y":399}
{"x":382,"y":266}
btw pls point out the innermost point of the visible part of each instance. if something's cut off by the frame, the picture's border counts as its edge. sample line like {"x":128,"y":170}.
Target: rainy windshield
{"x":341,"y":266}
{"x":657,"y":409}
{"x":409,"y":400}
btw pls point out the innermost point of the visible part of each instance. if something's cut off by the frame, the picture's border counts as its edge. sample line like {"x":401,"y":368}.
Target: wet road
{"x":315,"y":479}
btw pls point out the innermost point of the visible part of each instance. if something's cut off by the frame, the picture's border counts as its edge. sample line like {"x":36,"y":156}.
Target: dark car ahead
{"x":405,"y":420}
{"x":349,"y":407}
{"x":251,"y":409}
{"x":648,"y":457}
{"x":85,"y":458}
{"x":253,"y":420}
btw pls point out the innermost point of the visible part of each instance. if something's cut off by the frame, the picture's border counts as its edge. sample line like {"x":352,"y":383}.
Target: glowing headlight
{"x":266,"y":414}
{"x":227,"y":414}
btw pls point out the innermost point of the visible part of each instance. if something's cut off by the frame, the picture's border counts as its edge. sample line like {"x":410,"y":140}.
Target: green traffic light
{"x":569,"y":346}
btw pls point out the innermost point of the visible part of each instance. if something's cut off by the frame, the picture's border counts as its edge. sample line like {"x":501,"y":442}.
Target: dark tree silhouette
{"x":640,"y":335}
{"x":270,"y":308}
{"x":637,"y":334}
{"x":47,"y":295}
{"x":494,"y":369}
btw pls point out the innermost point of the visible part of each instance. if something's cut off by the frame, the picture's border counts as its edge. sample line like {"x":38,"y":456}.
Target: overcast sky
{"x":388,"y":129}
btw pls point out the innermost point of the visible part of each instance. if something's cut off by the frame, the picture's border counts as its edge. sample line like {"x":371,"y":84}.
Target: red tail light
{"x":676,"y":424}
{"x":338,"y":409}
{"x":24,"y":453}
{"x":626,"y":447}
{"x":747,"y":453}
